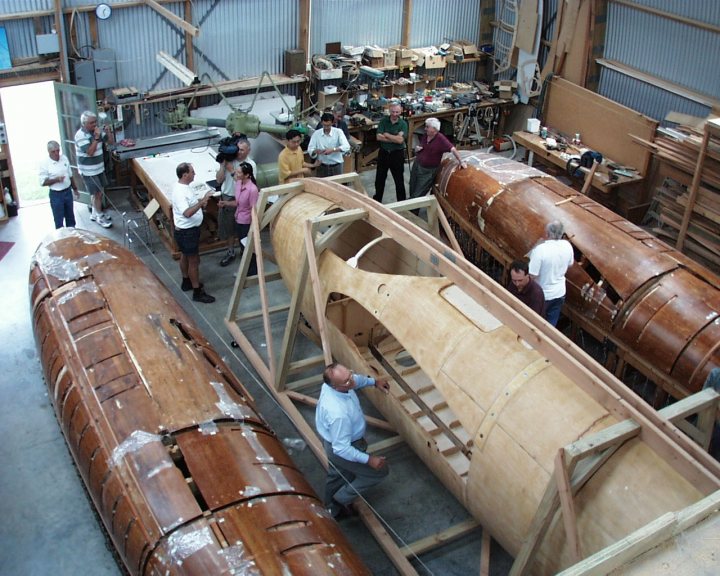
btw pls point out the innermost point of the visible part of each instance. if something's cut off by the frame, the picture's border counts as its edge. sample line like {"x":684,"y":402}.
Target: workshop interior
{"x":146,"y":433}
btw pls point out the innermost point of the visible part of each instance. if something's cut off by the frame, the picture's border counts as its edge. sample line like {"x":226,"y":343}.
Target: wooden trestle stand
{"x":575,"y":463}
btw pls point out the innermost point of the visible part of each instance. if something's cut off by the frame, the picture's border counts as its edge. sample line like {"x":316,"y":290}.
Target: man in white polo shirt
{"x":56,"y":174}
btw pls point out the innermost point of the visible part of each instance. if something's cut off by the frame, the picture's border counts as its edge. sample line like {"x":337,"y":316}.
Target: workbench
{"x":157,"y":173}
{"x":366,"y":134}
{"x":602,"y":182}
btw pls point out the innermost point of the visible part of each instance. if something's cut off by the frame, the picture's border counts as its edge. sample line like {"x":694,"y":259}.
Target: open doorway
{"x":30,"y":121}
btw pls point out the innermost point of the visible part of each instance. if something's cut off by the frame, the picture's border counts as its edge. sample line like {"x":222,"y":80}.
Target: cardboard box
{"x":374,"y":52}
{"x":390,"y":57}
{"x":435,"y":61}
{"x":330,"y":74}
{"x":469,"y":49}
{"x":430,"y":60}
{"x":403,"y":56}
{"x":374,"y":62}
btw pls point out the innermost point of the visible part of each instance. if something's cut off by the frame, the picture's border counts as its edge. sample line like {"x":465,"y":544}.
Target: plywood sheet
{"x":604,"y":125}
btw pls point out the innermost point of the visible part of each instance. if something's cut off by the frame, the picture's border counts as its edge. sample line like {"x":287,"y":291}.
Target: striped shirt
{"x":89,"y":165}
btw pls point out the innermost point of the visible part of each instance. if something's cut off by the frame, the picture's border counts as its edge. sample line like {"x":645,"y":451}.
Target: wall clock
{"x":103,"y":11}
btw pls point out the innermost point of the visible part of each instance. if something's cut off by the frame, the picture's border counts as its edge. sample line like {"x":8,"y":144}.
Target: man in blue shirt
{"x":341,"y":425}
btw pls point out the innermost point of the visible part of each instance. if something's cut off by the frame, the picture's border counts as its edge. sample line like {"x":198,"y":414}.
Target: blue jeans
{"x":552,"y":309}
{"x":61,"y":204}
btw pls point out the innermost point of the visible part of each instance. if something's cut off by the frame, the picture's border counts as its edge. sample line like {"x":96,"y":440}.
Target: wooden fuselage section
{"x":485,"y":410}
{"x":185,"y":474}
{"x":660,"y":308}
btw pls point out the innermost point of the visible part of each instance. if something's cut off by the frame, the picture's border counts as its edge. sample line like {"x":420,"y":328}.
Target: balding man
{"x":340,"y":423}
{"x":55,"y":173}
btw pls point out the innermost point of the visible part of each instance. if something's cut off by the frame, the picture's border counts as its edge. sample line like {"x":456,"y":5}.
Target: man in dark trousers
{"x":392,"y":133}
{"x":340,"y":423}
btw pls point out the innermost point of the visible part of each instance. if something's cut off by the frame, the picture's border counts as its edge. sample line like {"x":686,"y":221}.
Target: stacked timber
{"x":703,"y":235}
{"x":687,"y":156}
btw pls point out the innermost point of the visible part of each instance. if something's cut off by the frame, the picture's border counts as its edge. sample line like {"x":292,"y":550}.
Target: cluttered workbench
{"x":571,"y":112}
{"x":607,"y":176}
{"x":443,"y":104}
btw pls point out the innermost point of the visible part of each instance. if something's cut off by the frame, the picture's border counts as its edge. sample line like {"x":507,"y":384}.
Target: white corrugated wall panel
{"x":21,"y":37}
{"x":646,"y":98}
{"x":677,"y":52}
{"x":21,"y":6}
{"x":355,"y":22}
{"x":436,"y":22}
{"x":673,"y":51}
{"x":228,"y":48}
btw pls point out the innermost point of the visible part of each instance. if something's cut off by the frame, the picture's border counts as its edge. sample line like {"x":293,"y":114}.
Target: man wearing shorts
{"x":89,"y":141}
{"x":187,"y":217}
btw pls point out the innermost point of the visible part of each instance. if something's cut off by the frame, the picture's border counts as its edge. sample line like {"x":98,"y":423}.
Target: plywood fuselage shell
{"x":514,"y":406}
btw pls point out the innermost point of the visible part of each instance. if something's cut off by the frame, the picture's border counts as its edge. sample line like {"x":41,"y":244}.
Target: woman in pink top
{"x":246,"y":196}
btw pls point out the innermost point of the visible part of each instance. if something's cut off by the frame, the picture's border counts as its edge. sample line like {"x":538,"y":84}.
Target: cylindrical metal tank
{"x":185,"y":474}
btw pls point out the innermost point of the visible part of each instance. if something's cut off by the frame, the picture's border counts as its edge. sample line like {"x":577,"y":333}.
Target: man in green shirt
{"x":391,"y":133}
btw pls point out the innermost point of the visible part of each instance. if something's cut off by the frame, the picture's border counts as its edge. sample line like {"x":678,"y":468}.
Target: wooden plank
{"x":173,"y":18}
{"x":615,"y":555}
{"x":433,"y":541}
{"x":572,"y":109}
{"x":659,"y":83}
{"x":669,"y":15}
{"x":567,"y":505}
{"x":485,"y":554}
{"x":394,"y":553}
{"x":698,"y":175}
{"x":382,"y":446}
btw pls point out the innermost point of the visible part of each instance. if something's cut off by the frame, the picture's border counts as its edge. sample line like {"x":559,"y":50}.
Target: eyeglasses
{"x":349,"y":381}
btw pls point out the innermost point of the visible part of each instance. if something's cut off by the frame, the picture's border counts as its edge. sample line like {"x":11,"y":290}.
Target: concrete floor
{"x":47,"y":523}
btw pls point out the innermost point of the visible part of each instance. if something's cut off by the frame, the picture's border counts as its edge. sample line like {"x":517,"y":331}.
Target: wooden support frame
{"x":576,"y":463}
{"x":276,"y":370}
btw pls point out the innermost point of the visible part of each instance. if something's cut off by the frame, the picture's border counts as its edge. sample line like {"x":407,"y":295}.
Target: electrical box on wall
{"x":47,"y":44}
{"x":98,"y":72}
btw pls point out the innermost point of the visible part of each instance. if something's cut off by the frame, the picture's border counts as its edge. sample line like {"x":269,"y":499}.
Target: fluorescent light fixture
{"x":184,"y":74}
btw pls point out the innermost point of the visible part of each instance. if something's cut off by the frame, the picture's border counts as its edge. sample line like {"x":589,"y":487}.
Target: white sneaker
{"x":93,"y":217}
{"x":104,"y":221}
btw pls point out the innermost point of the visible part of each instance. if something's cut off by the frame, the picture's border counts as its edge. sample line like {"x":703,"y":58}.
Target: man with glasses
{"x":291,"y":161}
{"x":340,"y":423}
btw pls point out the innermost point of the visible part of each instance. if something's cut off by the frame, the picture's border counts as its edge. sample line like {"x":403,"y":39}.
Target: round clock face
{"x":103,"y":11}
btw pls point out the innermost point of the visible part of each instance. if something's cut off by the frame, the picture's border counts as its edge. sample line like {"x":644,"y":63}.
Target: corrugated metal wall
{"x":672,"y":51}
{"x":340,"y":21}
{"x":436,"y":22}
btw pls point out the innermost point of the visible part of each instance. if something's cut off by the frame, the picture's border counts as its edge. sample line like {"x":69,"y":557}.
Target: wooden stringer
{"x":576,"y":463}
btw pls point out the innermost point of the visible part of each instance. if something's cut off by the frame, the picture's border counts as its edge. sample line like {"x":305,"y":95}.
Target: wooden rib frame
{"x":575,"y":464}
